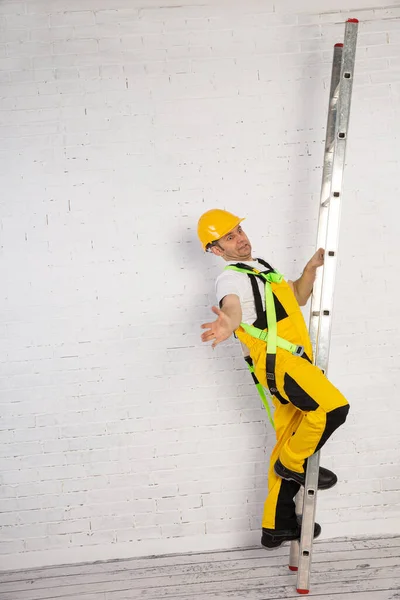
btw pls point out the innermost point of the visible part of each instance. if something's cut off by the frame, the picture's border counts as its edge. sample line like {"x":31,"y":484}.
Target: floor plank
{"x":326,"y":546}
{"x":359,"y":569}
{"x":160,"y":579}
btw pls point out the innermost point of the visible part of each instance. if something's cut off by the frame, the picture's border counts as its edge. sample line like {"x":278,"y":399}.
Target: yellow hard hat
{"x":214,"y":224}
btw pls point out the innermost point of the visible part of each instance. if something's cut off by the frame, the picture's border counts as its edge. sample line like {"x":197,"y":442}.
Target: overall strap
{"x":262,"y":316}
{"x":270,"y":311}
{"x":253,"y":274}
{"x":272,"y":276}
{"x":267,"y":276}
{"x":269,"y":319}
{"x":261,"y":320}
{"x":272,"y":338}
{"x":265,"y":264}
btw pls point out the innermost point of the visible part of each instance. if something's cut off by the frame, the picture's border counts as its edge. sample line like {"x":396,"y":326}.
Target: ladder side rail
{"x":343,"y":117}
{"x":321,"y":240}
{"x":327,"y":288}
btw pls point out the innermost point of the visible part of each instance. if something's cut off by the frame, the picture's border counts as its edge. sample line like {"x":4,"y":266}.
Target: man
{"x":263,"y":310}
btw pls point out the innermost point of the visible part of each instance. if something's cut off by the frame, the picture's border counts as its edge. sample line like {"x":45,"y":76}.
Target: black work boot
{"x":326,"y":478}
{"x":273,"y":538}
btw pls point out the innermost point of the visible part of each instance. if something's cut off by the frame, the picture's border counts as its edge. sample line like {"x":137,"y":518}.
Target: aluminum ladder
{"x":322,"y":299}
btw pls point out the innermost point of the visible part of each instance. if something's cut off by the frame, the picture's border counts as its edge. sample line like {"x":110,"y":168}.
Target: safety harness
{"x":265,"y":327}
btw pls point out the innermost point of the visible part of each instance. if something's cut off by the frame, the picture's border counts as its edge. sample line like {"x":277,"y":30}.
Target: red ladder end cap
{"x":352,"y":20}
{"x":338,"y":45}
{"x":302,"y":591}
{"x":293,"y":568}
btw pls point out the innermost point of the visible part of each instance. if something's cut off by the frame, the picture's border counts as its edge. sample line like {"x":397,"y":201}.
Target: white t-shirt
{"x":232,"y":282}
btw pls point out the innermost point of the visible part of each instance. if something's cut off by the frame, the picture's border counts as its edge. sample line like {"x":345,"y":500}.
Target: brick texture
{"x":120,"y":123}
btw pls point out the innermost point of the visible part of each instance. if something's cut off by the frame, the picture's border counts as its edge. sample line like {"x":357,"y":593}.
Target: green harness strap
{"x":265,"y":336}
{"x":261,"y":391}
{"x":270,"y":336}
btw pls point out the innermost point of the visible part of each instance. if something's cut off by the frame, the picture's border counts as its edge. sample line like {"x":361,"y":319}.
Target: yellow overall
{"x":308,"y":408}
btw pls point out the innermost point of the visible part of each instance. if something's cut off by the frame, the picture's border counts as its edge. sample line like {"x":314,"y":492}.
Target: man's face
{"x":235,"y":245}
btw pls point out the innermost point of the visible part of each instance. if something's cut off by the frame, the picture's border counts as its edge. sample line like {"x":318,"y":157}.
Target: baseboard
{"x":206,"y":543}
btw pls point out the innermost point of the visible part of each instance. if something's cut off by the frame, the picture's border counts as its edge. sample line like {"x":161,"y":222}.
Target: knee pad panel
{"x":297,"y":396}
{"x":338,"y":416}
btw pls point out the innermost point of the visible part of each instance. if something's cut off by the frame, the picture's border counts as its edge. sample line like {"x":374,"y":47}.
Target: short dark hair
{"x":211,"y":244}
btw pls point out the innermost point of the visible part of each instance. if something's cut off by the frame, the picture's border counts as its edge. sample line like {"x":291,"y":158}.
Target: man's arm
{"x":303,"y":286}
{"x":231,"y":307}
{"x":229,"y":319}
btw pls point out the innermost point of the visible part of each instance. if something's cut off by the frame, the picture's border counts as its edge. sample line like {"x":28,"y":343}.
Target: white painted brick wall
{"x":120,"y":123}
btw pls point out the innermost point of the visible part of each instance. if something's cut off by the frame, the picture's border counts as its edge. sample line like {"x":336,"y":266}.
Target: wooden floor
{"x":342,"y":570}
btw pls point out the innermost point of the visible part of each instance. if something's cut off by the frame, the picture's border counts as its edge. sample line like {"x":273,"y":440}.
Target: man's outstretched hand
{"x":219,"y":330}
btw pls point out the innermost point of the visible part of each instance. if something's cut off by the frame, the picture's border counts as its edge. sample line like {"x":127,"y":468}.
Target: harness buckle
{"x":299,"y":351}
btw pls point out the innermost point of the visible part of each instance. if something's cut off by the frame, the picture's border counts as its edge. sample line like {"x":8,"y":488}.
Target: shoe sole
{"x":328,"y":487}
{"x":325,"y":487}
{"x":287,"y":542}
{"x":279,"y":545}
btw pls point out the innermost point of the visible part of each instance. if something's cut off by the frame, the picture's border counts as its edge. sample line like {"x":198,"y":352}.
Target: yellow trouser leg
{"x":287,"y":418}
{"x":323,"y":408}
{"x":315,"y":409}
